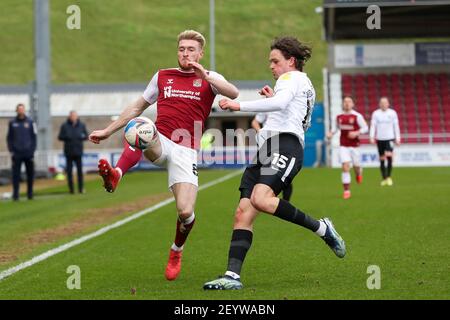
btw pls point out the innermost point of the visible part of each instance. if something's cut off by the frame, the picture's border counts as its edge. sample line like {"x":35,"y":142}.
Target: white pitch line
{"x":6,"y":273}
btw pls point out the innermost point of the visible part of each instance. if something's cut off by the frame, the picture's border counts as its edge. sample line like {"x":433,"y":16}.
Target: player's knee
{"x":185,"y":212}
{"x":242,"y":218}
{"x":382,"y":158}
{"x":239,"y":215}
{"x":258,"y":201}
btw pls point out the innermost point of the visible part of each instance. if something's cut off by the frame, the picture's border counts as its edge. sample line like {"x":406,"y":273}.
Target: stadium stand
{"x":410,"y":66}
{"x":422,"y":101}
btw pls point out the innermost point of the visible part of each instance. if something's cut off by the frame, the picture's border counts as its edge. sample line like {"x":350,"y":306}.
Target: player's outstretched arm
{"x":227,"y":104}
{"x":222,"y":86}
{"x":274,"y":103}
{"x":133,"y":110}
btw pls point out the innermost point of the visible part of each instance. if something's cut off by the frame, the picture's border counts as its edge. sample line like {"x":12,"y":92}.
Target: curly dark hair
{"x":291,"y":47}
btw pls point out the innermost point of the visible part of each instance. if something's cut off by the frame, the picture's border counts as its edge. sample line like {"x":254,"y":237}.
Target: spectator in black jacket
{"x":73,"y":133}
{"x":21,"y":139}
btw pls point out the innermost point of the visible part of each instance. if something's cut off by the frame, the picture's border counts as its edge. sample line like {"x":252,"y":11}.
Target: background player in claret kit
{"x":184,"y":99}
{"x":351,"y":124}
{"x":257,"y":123}
{"x":384,"y":130}
{"x":279,"y":158}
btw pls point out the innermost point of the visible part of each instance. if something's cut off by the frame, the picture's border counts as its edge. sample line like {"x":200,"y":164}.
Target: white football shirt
{"x":261,"y":117}
{"x":290,"y":109}
{"x":384,"y":125}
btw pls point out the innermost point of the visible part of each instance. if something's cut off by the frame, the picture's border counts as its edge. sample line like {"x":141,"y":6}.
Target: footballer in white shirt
{"x":280,"y":157}
{"x":384,"y":131}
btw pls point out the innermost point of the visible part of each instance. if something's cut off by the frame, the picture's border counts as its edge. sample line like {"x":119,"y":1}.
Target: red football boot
{"x":359,"y":179}
{"x":110,"y":175}
{"x":174,"y":265}
{"x":347,"y":194}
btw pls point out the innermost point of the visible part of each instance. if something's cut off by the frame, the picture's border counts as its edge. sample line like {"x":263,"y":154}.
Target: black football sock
{"x":241,"y":240}
{"x":389,"y":167}
{"x":288,"y":212}
{"x":383,"y":169}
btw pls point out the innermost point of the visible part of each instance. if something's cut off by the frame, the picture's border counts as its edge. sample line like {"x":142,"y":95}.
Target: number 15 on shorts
{"x":279,"y":161}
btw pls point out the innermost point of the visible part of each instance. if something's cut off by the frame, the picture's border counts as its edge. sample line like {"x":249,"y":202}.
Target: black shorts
{"x":385,"y":145}
{"x":277,"y":162}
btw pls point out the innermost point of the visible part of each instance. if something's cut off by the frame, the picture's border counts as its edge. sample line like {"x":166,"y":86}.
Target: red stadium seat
{"x":413,"y":140}
{"x":406,"y":76}
{"x":430,"y":78}
{"x":432,"y":84}
{"x":439,"y":140}
{"x":422,"y":101}
{"x":418,"y":77}
{"x":434,"y":100}
{"x":425,"y":129}
{"x":419,"y":84}
{"x":438,"y":129}
{"x":383,"y":78}
{"x":346,"y":77}
{"x":442,"y":76}
{"x":422,"y":110}
{"x":359,"y":78}
{"x":394,"y":76}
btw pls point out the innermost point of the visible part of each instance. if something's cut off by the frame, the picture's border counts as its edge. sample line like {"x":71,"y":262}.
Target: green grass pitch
{"x":402,"y":229}
{"x":138,"y":37}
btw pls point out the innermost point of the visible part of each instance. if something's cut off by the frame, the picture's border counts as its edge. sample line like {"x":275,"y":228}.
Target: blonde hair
{"x":192,"y":35}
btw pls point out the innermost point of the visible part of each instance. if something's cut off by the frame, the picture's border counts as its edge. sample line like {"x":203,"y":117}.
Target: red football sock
{"x":129,"y":158}
{"x":346,"y":186}
{"x":182,"y":232}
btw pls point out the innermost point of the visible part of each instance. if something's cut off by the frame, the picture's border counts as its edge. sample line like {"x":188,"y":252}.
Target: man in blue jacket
{"x":21,"y":141}
{"x":73,"y":133}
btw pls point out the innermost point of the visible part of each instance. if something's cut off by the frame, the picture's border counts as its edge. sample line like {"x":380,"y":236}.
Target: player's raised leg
{"x":264,"y":199}
{"x":185,"y":196}
{"x":128,"y":159}
{"x":111,"y":176}
{"x":241,"y":240}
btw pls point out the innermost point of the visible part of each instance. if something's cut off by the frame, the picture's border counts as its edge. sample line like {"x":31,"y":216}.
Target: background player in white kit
{"x":384,"y":131}
{"x":350,"y":124}
{"x":279,"y":159}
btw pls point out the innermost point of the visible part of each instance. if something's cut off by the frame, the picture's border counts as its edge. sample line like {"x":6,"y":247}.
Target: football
{"x":141,"y":133}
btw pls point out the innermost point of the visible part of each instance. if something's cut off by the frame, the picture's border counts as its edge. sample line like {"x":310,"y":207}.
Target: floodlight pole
{"x":212,"y":35}
{"x":42,"y":67}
